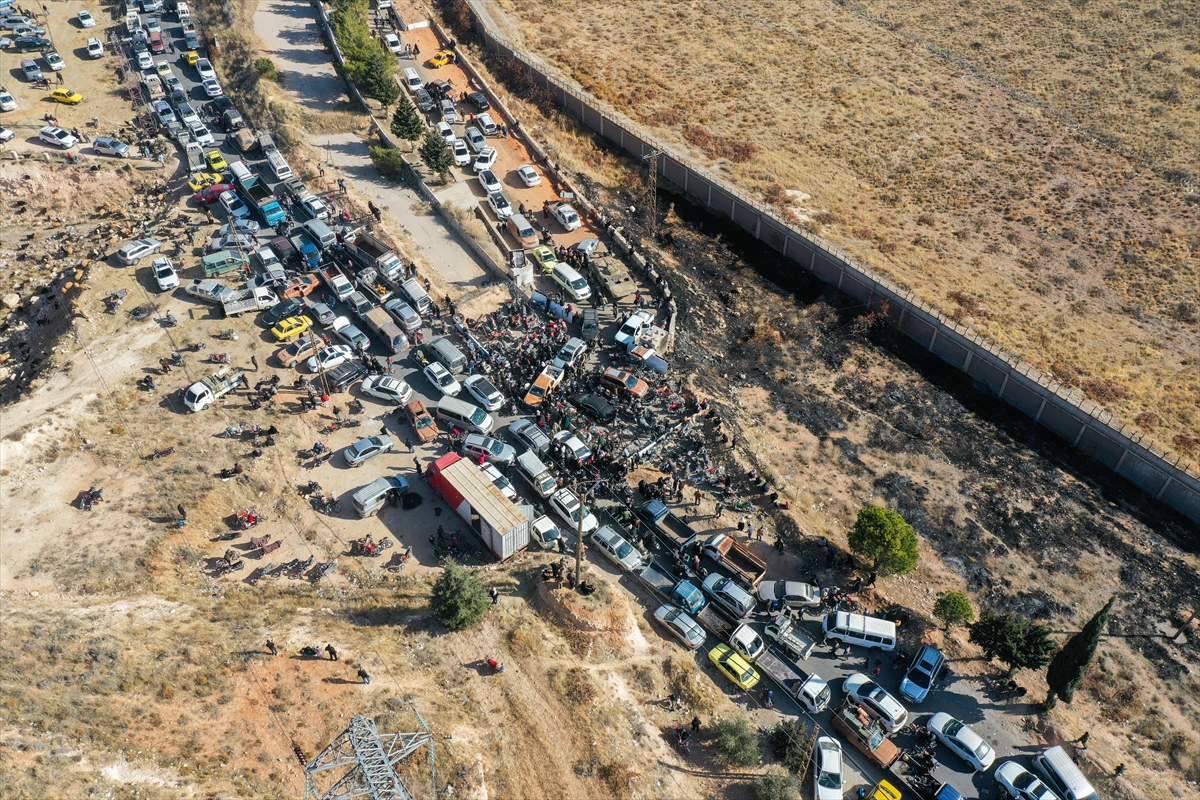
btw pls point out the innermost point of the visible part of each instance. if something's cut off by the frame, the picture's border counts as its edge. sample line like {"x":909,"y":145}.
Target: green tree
{"x":735,"y":742}
{"x":1071,"y":663}
{"x":436,"y":154}
{"x":774,"y":786}
{"x":883,"y":536}
{"x":1017,"y":642}
{"x":406,"y":123}
{"x":459,"y":599}
{"x":954,"y":608}
{"x":388,"y":161}
{"x":789,"y":739}
{"x":377,"y":78}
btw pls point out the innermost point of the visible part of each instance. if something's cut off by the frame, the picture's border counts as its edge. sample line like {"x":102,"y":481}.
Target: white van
{"x":572,"y":282}
{"x":859,"y":629}
{"x":241,"y":172}
{"x":185,"y":13}
{"x":418,"y":298}
{"x":321,"y":233}
{"x":412,"y":81}
{"x":537,"y":473}
{"x":461,"y":414}
{"x":1062,"y":776}
{"x":278,"y":165}
{"x":372,"y":497}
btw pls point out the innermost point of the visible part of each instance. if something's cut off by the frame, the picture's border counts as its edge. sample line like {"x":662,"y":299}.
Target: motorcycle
{"x":247,"y":518}
{"x":322,"y":459}
{"x":496,"y":666}
{"x":312,"y":488}
{"x":317,"y":449}
{"x":326,"y":504}
{"x":235,"y":431}
{"x":312,"y":651}
{"x":141,"y":312}
{"x":324,"y":570}
{"x":114,"y":300}
{"x":169,"y":320}
{"x":147,"y":383}
{"x":398,"y":561}
{"x":366,"y":546}
{"x":157,"y":454}
{"x":228,"y":335}
{"x":225,"y":566}
{"x":195,"y":347}
{"x":177,"y":359}
{"x":220,"y":358}
{"x":227,"y":537}
{"x":90,"y":498}
{"x":355,"y":406}
{"x":296,"y":572}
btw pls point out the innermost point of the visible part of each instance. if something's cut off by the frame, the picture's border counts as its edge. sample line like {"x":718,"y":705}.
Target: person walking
{"x":417,"y":464}
{"x":271,"y":648}
{"x":719,"y":510}
{"x":695,"y":724}
{"x":699,"y":494}
{"x":871,"y":580}
{"x":494,"y":593}
{"x":1082,"y":742}
{"x":254,"y":361}
{"x":742,"y":524}
{"x":333,"y":656}
{"x":409,"y":444}
{"x":362,"y":674}
{"x":342,"y":185}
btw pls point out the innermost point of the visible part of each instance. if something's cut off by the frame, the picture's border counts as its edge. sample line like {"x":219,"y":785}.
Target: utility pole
{"x":651,"y":159}
{"x":579,"y":540}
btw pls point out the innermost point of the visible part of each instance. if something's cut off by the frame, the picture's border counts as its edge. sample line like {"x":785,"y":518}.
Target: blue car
{"x":919,"y":679}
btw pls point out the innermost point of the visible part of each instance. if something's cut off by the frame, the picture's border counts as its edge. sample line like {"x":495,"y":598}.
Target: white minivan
{"x":1061,"y":775}
{"x":412,"y":81}
{"x":842,"y":626}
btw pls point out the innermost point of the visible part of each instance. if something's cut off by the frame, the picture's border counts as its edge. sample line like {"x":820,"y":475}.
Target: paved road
{"x":291,"y":37}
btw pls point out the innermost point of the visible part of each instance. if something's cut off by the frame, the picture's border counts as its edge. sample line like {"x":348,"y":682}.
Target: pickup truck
{"x":926,"y":786}
{"x":310,"y":254}
{"x":811,"y":691}
{"x":250,"y":300}
{"x":791,"y":636}
{"x":687,"y":596}
{"x":866,"y":734}
{"x":338,"y":283}
{"x":204,"y":393}
{"x":258,"y":196}
{"x":373,"y":287}
{"x":195,"y":156}
{"x":748,"y":569}
{"x":660,"y":516}
{"x":209,"y":291}
{"x":370,"y":253}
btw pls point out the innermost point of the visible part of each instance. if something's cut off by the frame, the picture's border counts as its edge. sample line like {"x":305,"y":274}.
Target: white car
{"x":367,"y":448}
{"x":386,"y":388}
{"x":187,"y":114}
{"x":138,"y":249}
{"x":489,"y":180}
{"x":578,"y":450}
{"x":145,"y":60}
{"x":232,"y":241}
{"x":164,"y":274}
{"x":874,"y":699}
{"x":57,"y":137}
{"x":827,"y":770}
{"x":315,"y":207}
{"x":392,"y":42}
{"x":449,"y":112}
{"x":329,"y":357}
{"x":1022,"y":784}
{"x":567,"y":217}
{"x":462,"y":153}
{"x":484,"y":392}
{"x":528,"y":175}
{"x":7,"y":102}
{"x":54,"y":61}
{"x":233,"y":205}
{"x":474,"y":138}
{"x":571,"y":353}
{"x":681,"y":626}
{"x":164,"y":112}
{"x":567,"y":506}
{"x":440,"y":377}
{"x":634,"y":327}
{"x":614,"y":547}
{"x":86,"y":20}
{"x":153,"y":25}
{"x":500,"y":205}
{"x":6,"y":135}
{"x":212,"y":88}
{"x":95,"y":48}
{"x":246,"y":226}
{"x":966,"y":743}
{"x":205,"y":68}
{"x":201,"y":134}
{"x":446,"y":132}
{"x":790,"y":594}
{"x":486,"y":158}
{"x":502,"y":483}
{"x":487,"y":125}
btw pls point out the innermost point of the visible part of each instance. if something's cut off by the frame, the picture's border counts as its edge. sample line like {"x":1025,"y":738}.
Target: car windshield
{"x":578,"y":284}
{"x":631,"y":382}
{"x":830,"y":780}
{"x":1024,"y":780}
{"x":537,"y":391}
{"x":920,"y":677}
{"x":624,"y":549}
{"x":982,"y":751}
{"x":952,"y":727}
{"x":445,"y":379}
{"x":423,"y":421}
{"x":497,"y":446}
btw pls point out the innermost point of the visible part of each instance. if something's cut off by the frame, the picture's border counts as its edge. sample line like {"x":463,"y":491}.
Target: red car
{"x":209,"y":194}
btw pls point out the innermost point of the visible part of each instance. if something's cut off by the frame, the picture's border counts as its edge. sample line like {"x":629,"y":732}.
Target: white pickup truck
{"x":255,"y":299}
{"x":204,"y":393}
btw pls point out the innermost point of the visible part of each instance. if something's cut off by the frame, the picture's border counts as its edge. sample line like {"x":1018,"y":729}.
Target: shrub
{"x":789,"y":739}
{"x":954,"y":608}
{"x":735,"y":742}
{"x":774,"y":786}
{"x":266,"y":68}
{"x":389,"y":162}
{"x":459,"y":599}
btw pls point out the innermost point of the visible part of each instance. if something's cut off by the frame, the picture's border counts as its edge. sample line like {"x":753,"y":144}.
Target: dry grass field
{"x":1031,"y":170}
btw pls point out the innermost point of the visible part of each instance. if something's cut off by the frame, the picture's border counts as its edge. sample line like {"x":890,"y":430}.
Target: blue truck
{"x":257,"y":195}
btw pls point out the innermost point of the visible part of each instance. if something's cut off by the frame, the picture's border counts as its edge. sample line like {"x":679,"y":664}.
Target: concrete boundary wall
{"x":1065,"y":411}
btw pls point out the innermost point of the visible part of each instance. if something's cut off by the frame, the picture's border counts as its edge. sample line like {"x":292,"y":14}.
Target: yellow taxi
{"x":66,"y":96}
{"x":192,"y":57}
{"x":733,"y":666}
{"x":290,"y":328}
{"x":200,"y":180}
{"x":442,"y":58}
{"x":884,"y":791}
{"x":543,"y":258}
{"x":216,"y":160}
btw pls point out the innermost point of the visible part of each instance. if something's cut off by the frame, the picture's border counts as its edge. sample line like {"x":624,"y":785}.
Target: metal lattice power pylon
{"x":368,"y":757}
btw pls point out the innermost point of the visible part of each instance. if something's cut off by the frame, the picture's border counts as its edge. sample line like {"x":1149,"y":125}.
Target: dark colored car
{"x":595,"y":407}
{"x":439,"y":89}
{"x":218,"y":106}
{"x":288,"y":308}
{"x":342,"y":377}
{"x":479,"y":100}
{"x":27,"y":43}
{"x":283,"y":249}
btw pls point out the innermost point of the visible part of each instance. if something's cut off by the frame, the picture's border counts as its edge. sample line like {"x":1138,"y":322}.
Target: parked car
{"x":484,"y":392}
{"x":474,"y":139}
{"x":365,"y":449}
{"x":314,"y":207}
{"x":489,"y":180}
{"x":290,"y":328}
{"x":54,"y":61}
{"x":965,"y":743}
{"x":205,"y":68}
{"x":623,"y":381}
{"x":163,"y":112}
{"x":491,"y":450}
{"x":528,"y":175}
{"x":681,"y":626}
{"x":212,"y":88}
{"x":875,"y":700}
{"x":530,"y":435}
{"x":7,"y":102}
{"x":637,"y":324}
{"x":340,"y":379}
{"x":1021,"y":784}
{"x":790,"y":594}
{"x":574,"y":446}
{"x":566,"y":216}
{"x":446,"y":132}
{"x":595,"y":406}
{"x":210,"y":194}
{"x":164,"y":274}
{"x":479,"y":100}
{"x":734,"y":666}
{"x":486,"y":158}
{"x":569,"y":509}
{"x":110,"y":147}
{"x":827,"y":770}
{"x":392,"y":42}
{"x":288,"y":308}
{"x":500,"y":205}
{"x":329,"y":357}
{"x":923,"y":671}
{"x":571,"y":353}
{"x":543,"y":257}
{"x":95,"y":48}
{"x":248,"y":227}
{"x":138,"y":249}
{"x":616,"y":549}
{"x":423,"y":423}
{"x":86,"y":20}
{"x":68,"y":97}
{"x":200,"y":133}
{"x":233,"y":241}
{"x":32,"y":71}
{"x":26,"y":43}
{"x":233,"y":205}
{"x":388,"y":389}
{"x":215,"y":160}
{"x":299,"y":350}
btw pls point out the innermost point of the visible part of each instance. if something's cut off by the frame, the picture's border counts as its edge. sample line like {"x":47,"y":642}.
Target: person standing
{"x":333,"y":656}
{"x":271,"y":648}
{"x":362,"y":674}
{"x":254,"y":361}
{"x":494,"y":593}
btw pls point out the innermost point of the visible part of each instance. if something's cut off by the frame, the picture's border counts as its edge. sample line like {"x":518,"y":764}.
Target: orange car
{"x":422,"y":421}
{"x":543,"y":385}
{"x":301,"y":286}
{"x":301,"y":350}
{"x":620,"y":380}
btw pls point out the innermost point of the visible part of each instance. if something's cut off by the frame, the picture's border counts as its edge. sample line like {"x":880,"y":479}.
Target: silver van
{"x":321,"y":233}
{"x":461,"y":414}
{"x":372,"y":497}
{"x":418,"y":298}
{"x":538,"y":474}
{"x":241,"y":172}
{"x":1062,"y":776}
{"x":449,"y":355}
{"x":859,"y":629}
